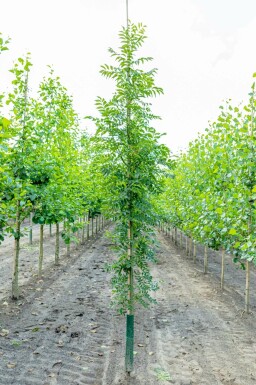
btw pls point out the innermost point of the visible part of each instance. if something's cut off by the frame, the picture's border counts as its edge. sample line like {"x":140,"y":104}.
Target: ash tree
{"x":132,"y":162}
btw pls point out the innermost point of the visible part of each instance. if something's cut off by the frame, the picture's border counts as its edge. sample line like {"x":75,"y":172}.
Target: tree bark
{"x":41,"y":250}
{"x":194,"y":252}
{"x":222,"y":268}
{"x":30,"y":228}
{"x":88,"y":227}
{"x":205,"y":260}
{"x":247,"y":288}
{"x":129,"y":355}
{"x":57,"y":244}
{"x":83,"y":230}
{"x":15,"y":275}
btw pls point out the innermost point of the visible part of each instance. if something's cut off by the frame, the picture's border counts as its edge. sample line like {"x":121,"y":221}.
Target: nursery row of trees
{"x":211,"y":193}
{"x":46,"y":161}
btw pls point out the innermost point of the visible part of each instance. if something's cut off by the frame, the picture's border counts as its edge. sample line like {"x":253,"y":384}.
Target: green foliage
{"x":4,"y":135}
{"x":212,"y":194}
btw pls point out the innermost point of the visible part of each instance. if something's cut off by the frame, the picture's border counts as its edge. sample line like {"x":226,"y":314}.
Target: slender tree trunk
{"x":77,"y":235}
{"x":88,"y":227}
{"x":83,"y":230}
{"x":15,"y":275}
{"x":50,"y":229}
{"x":180,"y":238}
{"x":98,"y":223}
{"x":190,"y":246}
{"x":57,"y":244}
{"x":247,"y":288}
{"x":79,"y":232}
{"x":30,"y":228}
{"x":129,"y":355}
{"x":92,"y":227}
{"x":194,"y":252}
{"x":41,"y":250}
{"x":186,"y":245}
{"x":68,"y":245}
{"x":222,"y":268}
{"x":205,"y":260}
{"x":175,"y":236}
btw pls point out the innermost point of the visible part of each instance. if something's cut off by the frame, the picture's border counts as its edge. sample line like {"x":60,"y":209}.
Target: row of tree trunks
{"x":85,"y":220}
{"x":190,"y":243}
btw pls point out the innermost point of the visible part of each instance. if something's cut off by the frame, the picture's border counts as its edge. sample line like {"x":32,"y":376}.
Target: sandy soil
{"x":63,"y":332}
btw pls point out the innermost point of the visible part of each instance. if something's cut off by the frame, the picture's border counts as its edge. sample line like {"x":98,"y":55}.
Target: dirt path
{"x":66,"y":334}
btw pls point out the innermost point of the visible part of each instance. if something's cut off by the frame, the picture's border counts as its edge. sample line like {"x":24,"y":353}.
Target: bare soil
{"x":63,"y":332}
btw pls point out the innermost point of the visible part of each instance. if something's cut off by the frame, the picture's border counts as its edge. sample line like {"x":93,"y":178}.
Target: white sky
{"x":204,"y":51}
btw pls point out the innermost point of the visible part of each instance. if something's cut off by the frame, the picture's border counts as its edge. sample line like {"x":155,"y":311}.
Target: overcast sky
{"x":204,"y":51}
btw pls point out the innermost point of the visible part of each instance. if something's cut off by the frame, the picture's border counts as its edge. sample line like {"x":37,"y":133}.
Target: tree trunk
{"x":67,"y":230}
{"x":190,"y":246}
{"x":83,"y":230}
{"x":222,"y":268}
{"x":50,"y":229}
{"x":57,"y":244}
{"x":194,"y":252}
{"x":88,"y":227}
{"x":129,"y":355}
{"x":30,"y":228}
{"x":205,"y":260}
{"x":15,"y":275}
{"x":41,"y":250}
{"x":247,"y":288}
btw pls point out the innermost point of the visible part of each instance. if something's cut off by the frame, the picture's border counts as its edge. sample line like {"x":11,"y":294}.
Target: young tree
{"x":19,"y":193}
{"x":131,"y":161}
